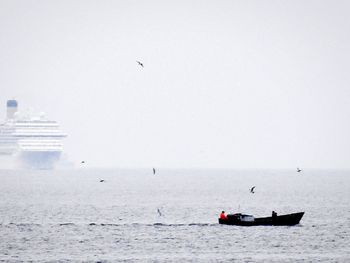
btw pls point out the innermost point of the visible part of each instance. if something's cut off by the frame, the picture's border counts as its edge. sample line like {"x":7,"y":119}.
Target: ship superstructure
{"x":33,"y":141}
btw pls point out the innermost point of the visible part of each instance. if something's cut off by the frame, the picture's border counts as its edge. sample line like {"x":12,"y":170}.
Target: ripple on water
{"x":73,"y":219}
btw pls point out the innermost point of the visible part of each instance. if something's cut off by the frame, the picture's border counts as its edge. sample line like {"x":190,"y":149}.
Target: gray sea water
{"x":171,"y":216}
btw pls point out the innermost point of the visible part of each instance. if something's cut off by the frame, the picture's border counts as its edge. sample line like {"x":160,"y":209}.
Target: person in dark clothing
{"x":274,"y":216}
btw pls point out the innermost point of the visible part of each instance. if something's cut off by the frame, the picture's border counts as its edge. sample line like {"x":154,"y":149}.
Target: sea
{"x":133,"y":215}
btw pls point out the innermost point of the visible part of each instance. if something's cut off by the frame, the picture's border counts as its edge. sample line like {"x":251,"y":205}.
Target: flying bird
{"x":101,"y":181}
{"x":299,"y":170}
{"x":82,"y":161}
{"x":138,"y":62}
{"x":159,"y":213}
{"x":154,"y":171}
{"x":252,"y":190}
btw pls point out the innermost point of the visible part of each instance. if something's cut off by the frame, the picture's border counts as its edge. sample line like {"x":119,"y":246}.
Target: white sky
{"x":226,"y":84}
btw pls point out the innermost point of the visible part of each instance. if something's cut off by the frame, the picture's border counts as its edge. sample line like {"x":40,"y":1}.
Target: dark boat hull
{"x":282,"y":220}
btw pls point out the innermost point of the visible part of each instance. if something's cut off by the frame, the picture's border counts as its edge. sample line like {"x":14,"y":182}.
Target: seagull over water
{"x":101,"y":181}
{"x":159,"y":213}
{"x":299,"y":170}
{"x":252,"y":190}
{"x":154,"y":171}
{"x":138,"y":62}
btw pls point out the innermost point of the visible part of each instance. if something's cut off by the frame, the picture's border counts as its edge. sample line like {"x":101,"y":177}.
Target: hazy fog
{"x":240,"y":84}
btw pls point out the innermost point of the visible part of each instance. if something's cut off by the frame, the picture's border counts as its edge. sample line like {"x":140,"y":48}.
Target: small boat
{"x":274,"y":220}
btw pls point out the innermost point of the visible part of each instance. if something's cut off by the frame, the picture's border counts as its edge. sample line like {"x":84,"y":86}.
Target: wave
{"x":21,"y":224}
{"x":109,"y":224}
{"x":154,"y":224}
{"x":190,"y":224}
{"x":67,"y":224}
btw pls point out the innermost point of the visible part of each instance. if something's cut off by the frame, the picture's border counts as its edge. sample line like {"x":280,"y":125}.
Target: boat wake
{"x":105,"y":224}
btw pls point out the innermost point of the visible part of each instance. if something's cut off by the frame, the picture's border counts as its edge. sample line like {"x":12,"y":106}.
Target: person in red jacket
{"x":223,"y":216}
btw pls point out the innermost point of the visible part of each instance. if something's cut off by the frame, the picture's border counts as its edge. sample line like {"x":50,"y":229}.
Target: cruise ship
{"x":29,"y":141}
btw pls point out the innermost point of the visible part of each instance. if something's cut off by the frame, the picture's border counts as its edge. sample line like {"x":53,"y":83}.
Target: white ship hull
{"x":38,"y":160}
